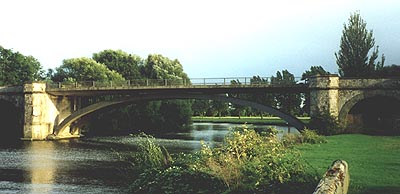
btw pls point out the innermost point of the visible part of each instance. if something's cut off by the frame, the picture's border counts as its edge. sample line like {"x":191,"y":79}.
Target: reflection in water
{"x":88,"y":165}
{"x":42,"y":166}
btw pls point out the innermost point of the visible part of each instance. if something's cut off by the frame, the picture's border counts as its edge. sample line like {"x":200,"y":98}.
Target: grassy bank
{"x":374,"y":161}
{"x":249,"y":120}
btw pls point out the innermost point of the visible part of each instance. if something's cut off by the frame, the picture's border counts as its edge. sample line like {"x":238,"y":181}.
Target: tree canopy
{"x":314,"y":70}
{"x":159,"y":67}
{"x":117,"y":60}
{"x":289,"y":103}
{"x":85,"y":69}
{"x":17,"y":69}
{"x":355,"y":45}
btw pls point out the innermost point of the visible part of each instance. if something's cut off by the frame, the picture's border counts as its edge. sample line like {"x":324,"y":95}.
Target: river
{"x":89,"y":165}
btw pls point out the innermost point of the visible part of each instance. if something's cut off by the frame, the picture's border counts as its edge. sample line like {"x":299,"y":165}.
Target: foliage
{"x":306,"y":136}
{"x":17,"y":69}
{"x":325,"y":124}
{"x":176,"y":179}
{"x":200,"y":107}
{"x":128,"y":65}
{"x":289,"y":103}
{"x":159,"y":67}
{"x":311,"y":136}
{"x":160,"y":174}
{"x":150,"y":155}
{"x":355,"y":44}
{"x":248,"y":161}
{"x":84,"y":69}
{"x":176,"y":114}
{"x":116,"y":65}
{"x":314,"y":70}
{"x":389,"y":71}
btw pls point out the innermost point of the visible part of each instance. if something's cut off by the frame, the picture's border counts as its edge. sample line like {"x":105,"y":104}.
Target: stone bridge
{"x":358,"y":103}
{"x":52,"y":111}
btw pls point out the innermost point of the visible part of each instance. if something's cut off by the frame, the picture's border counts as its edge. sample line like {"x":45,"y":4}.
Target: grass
{"x":249,"y":120}
{"x":374,"y":161}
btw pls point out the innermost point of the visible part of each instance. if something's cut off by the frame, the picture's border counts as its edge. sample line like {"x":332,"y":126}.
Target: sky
{"x":211,"y":38}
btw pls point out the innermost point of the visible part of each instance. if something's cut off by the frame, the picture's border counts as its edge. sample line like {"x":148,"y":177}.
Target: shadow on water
{"x":11,"y":120}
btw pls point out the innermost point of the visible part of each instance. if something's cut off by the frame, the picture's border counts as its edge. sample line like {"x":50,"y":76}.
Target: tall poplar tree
{"x":355,"y":45}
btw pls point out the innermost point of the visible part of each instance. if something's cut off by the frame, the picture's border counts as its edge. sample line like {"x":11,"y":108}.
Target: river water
{"x":89,"y":165}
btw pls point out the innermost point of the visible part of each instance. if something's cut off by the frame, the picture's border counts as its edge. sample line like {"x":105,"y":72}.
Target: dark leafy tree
{"x":267,"y":99}
{"x":314,"y":70}
{"x":355,"y":44}
{"x":289,"y":103}
{"x":17,"y":69}
{"x":127,"y":65}
{"x":176,"y":114}
{"x":389,"y":71}
{"x":200,"y":107}
{"x":219,"y":108}
{"x":238,"y":110}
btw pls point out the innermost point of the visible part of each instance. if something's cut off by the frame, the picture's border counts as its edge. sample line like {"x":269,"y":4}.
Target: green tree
{"x":355,"y":44}
{"x":17,"y":69}
{"x":159,"y":67}
{"x":125,"y":64}
{"x":219,"y":108}
{"x":267,"y":99}
{"x":289,"y":103}
{"x":389,"y":71}
{"x":200,"y":107}
{"x":176,"y":114}
{"x":84,"y":69}
{"x":314,"y":70}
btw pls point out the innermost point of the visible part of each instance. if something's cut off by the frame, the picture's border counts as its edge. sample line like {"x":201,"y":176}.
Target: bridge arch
{"x":60,"y":129}
{"x":357,"y":111}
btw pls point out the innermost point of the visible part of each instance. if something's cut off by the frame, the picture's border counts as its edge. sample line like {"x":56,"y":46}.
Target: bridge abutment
{"x":324,"y":95}
{"x":40,"y":112}
{"x":43,"y":112}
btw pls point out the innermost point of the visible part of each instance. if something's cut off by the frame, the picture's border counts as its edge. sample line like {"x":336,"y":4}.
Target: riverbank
{"x":373,"y":161}
{"x":248,"y":120}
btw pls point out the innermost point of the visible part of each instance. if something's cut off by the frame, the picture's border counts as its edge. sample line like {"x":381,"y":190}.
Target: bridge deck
{"x":101,"y":89}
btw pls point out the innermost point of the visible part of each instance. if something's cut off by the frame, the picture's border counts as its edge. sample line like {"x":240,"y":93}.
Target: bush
{"x":325,"y":124}
{"x":176,"y":179}
{"x":150,"y":155}
{"x":248,"y":161}
{"x":306,"y":136}
{"x":310,"y":136}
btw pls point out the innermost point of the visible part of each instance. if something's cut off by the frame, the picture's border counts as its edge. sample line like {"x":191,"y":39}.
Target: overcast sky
{"x":211,"y":38}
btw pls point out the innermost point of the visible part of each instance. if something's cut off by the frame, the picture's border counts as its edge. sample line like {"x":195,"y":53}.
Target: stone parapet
{"x":385,"y":83}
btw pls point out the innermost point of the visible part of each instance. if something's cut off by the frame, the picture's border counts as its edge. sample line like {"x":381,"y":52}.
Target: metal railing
{"x":193,"y":82}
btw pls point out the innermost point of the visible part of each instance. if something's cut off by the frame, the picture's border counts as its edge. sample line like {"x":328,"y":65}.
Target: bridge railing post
{"x":147,"y":82}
